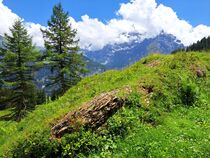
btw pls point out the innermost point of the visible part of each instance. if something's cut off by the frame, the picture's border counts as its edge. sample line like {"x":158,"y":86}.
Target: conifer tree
{"x":17,"y":63}
{"x":201,"y":45}
{"x":62,"y":51}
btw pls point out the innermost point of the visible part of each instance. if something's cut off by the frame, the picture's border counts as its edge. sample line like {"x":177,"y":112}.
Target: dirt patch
{"x":153,"y":63}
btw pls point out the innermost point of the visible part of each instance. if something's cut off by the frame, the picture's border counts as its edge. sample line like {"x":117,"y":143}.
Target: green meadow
{"x":166,"y":114}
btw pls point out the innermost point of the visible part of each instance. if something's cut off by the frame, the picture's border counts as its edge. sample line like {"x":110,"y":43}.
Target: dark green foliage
{"x":62,"y":51}
{"x":5,"y":95}
{"x":133,"y":100}
{"x":37,"y":145}
{"x":83,"y":143}
{"x":189,"y":93}
{"x":18,"y":62}
{"x":41,"y":97}
{"x":78,"y":144}
{"x":203,"y":44}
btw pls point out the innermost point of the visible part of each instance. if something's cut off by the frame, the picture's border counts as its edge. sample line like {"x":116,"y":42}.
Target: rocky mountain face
{"x":42,"y":75}
{"x":118,"y":56}
{"x":1,"y":40}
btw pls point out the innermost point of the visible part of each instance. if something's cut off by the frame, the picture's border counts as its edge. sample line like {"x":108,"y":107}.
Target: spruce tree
{"x":62,"y":51}
{"x":17,"y":63}
{"x":202,"y":45}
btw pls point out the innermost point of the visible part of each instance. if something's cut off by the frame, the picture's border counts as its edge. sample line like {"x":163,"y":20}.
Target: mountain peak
{"x":117,"y":56}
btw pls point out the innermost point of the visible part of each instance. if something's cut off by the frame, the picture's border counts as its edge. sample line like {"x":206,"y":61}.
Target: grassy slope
{"x":161,"y":126}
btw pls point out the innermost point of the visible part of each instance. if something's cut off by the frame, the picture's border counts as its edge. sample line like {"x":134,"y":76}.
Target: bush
{"x":37,"y":145}
{"x":189,"y":93}
{"x":78,"y":144}
{"x":83,"y":143}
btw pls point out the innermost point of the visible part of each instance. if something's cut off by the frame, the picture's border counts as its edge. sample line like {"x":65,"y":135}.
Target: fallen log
{"x":90,"y":115}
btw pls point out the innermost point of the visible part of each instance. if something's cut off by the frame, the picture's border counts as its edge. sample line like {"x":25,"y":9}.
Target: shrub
{"x":37,"y":145}
{"x":189,"y":93}
{"x":83,"y":143}
{"x":78,"y":144}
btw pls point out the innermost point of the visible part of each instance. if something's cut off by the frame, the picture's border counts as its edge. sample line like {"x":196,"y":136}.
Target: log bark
{"x":90,"y":115}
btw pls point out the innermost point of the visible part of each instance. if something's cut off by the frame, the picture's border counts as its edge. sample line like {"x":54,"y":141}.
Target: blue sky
{"x":102,"y":22}
{"x":195,"y":11}
{"x":31,"y":10}
{"x":38,"y":11}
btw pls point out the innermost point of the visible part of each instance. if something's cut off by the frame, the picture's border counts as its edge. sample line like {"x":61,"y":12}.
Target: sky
{"x":101,"y":22}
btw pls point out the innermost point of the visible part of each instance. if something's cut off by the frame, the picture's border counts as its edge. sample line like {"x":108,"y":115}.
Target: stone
{"x":148,"y":89}
{"x":90,"y":115}
{"x":200,"y":73}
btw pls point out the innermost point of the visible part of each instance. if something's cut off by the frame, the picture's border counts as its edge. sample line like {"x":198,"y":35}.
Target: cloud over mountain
{"x":142,"y":16}
{"x":145,"y":17}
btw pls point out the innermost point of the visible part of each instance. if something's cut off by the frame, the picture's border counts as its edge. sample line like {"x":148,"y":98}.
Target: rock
{"x":148,"y":89}
{"x":91,"y":115}
{"x":200,"y":73}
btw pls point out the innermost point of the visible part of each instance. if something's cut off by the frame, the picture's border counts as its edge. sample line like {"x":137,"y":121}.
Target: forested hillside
{"x":203,"y":44}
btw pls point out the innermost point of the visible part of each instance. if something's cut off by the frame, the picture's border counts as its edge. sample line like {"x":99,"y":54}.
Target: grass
{"x":180,"y":137}
{"x":158,"y":120}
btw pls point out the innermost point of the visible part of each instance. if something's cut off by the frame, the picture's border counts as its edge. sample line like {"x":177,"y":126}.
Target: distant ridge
{"x":118,"y":56}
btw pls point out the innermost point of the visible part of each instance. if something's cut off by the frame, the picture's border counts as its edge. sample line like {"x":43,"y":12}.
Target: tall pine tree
{"x":62,"y":51}
{"x":17,"y":63}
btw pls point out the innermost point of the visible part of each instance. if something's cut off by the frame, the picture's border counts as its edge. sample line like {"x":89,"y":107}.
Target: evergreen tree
{"x":202,"y":45}
{"x":17,"y":63}
{"x":62,"y":51}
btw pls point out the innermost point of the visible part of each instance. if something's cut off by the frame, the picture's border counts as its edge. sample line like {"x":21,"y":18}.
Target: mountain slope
{"x":118,"y":56}
{"x":42,"y":75}
{"x":166,"y":114}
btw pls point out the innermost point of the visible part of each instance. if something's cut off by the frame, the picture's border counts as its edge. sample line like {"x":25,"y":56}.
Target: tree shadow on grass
{"x":10,"y":115}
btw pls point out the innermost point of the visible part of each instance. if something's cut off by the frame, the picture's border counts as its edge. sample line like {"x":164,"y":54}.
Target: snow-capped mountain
{"x":117,"y":56}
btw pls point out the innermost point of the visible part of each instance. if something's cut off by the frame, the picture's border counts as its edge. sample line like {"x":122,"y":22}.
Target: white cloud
{"x":145,"y":17}
{"x":7,"y":19}
{"x":164,"y":18}
{"x":35,"y":32}
{"x":142,"y":16}
{"x":94,"y":34}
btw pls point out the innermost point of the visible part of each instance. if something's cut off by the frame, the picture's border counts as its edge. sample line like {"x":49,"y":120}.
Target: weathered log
{"x":91,"y":115}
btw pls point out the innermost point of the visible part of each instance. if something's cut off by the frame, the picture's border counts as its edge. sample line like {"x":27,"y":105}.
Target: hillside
{"x":166,"y":113}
